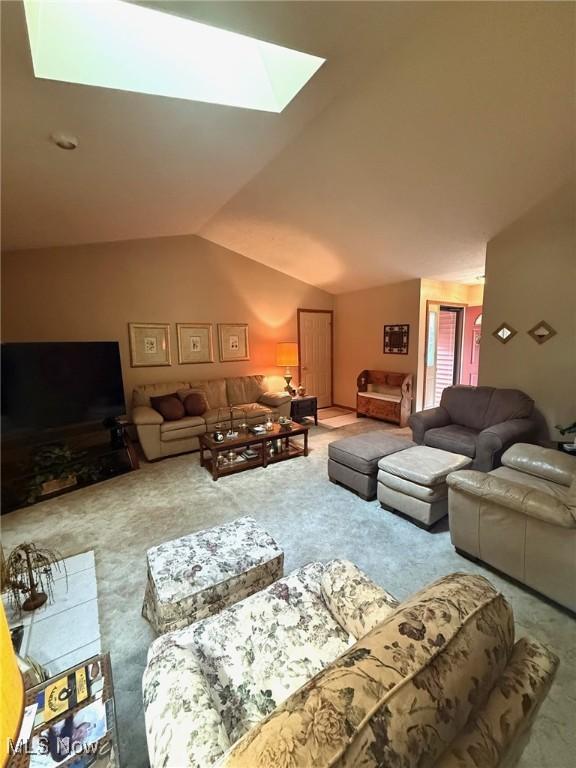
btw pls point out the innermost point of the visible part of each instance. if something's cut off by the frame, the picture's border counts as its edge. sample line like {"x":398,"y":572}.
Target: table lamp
{"x":11,"y":691}
{"x":287,"y":357}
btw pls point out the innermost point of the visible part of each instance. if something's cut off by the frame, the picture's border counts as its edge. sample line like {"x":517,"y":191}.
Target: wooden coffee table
{"x":278,"y":436}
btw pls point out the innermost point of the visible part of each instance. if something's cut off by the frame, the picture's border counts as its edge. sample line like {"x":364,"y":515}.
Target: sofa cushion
{"x":506,"y":404}
{"x":194,"y":427}
{"x":454,"y":438}
{"x":195,"y":403}
{"x":254,"y":410}
{"x":259,"y":651}
{"x":216,"y":416}
{"x":215,"y":391}
{"x":393,"y":396}
{"x":415,"y":490}
{"x":244,"y":389}
{"x":362,"y":452}
{"x":169,"y":406}
{"x":436,"y":657}
{"x":467,"y":405}
{"x":184,"y":423}
{"x":142,"y":393}
{"x":274,"y":399}
{"x":423,"y":465}
{"x":356,"y":602}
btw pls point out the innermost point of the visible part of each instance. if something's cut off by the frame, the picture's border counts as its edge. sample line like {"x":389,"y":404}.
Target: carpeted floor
{"x":312,"y":519}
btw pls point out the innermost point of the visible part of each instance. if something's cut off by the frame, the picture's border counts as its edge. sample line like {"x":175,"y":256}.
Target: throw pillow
{"x":196,"y":404}
{"x":183,"y":394}
{"x":168,"y":406}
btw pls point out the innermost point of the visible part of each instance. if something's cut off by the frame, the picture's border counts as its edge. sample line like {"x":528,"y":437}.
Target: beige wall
{"x":449,"y":293}
{"x":92,"y":292}
{"x":531,"y":276}
{"x":359,"y":321}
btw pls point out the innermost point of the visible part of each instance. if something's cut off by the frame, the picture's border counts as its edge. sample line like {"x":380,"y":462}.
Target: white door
{"x":315,"y":336}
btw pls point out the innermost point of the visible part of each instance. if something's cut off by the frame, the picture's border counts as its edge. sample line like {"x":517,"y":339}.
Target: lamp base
{"x":288,"y":388}
{"x":35,"y":600}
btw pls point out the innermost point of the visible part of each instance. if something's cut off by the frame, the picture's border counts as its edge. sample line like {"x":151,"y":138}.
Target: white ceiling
{"x":430,"y":127}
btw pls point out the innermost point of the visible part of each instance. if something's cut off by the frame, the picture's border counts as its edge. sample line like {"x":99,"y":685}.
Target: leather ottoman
{"x":414,"y":482}
{"x":353,"y":461}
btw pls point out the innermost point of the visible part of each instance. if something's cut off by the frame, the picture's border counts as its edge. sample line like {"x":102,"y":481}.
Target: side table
{"x":62,"y":633}
{"x":304,"y":406}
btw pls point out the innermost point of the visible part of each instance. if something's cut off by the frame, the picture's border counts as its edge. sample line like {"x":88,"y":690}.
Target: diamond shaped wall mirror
{"x":542,"y":332}
{"x":504,"y":333}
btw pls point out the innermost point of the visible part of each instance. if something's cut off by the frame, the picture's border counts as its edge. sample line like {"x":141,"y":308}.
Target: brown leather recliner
{"x":479,"y":422}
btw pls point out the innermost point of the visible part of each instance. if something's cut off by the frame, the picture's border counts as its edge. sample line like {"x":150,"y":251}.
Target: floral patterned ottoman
{"x":197,"y":575}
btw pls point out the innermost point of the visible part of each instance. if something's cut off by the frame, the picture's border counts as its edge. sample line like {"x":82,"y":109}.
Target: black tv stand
{"x":59,"y":461}
{"x":116,"y":428}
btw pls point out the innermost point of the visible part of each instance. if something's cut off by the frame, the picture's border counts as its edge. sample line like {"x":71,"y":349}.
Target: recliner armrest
{"x":274,"y":399}
{"x":432,"y":418}
{"x":514,"y":496}
{"x":354,"y":600}
{"x":493,"y":441}
{"x":183,"y":727}
{"x":144,"y":414}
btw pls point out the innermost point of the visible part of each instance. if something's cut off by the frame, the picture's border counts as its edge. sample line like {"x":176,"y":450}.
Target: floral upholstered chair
{"x":323,"y":668}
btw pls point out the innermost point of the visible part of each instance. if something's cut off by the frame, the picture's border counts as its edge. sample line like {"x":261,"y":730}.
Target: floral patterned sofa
{"x":323,"y":668}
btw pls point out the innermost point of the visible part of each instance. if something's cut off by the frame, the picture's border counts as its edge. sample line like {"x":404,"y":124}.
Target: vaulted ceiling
{"x":430,"y":128}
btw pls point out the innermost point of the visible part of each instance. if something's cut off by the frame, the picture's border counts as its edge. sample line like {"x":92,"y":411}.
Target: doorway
{"x":452,"y":348}
{"x":316,"y":346}
{"x":471,"y":346}
{"x":443,"y":350}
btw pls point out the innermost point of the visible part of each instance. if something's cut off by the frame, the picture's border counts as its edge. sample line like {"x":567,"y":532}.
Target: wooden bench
{"x":385,"y":395}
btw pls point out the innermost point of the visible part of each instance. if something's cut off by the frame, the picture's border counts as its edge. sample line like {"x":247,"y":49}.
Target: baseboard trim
{"x":337,"y":405}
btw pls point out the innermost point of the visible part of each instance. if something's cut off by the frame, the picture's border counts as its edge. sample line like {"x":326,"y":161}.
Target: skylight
{"x":115,"y":44}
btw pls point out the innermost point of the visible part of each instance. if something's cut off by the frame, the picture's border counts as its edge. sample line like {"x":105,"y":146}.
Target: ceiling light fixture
{"x":129,"y":47}
{"x":64,"y":140}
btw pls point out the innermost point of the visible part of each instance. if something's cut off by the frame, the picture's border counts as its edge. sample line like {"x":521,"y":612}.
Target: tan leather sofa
{"x":249,"y":395}
{"x":521,"y":518}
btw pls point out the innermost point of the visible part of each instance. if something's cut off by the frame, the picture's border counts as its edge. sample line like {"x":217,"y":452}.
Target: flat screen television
{"x":50,"y":385}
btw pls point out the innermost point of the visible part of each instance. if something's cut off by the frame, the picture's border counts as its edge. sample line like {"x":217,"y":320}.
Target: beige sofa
{"x":521,"y":518}
{"x":324,"y":668}
{"x":249,"y":395}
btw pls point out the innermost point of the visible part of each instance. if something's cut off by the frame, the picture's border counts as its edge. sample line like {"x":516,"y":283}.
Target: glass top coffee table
{"x":250,"y":450}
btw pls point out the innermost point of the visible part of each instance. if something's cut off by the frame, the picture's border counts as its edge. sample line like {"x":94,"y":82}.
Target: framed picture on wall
{"x":233,"y":342}
{"x":149,"y":344}
{"x":195,"y":343}
{"x":396,"y":339}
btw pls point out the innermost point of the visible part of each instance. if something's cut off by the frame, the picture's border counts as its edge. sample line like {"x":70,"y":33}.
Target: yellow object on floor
{"x":11,"y":690}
